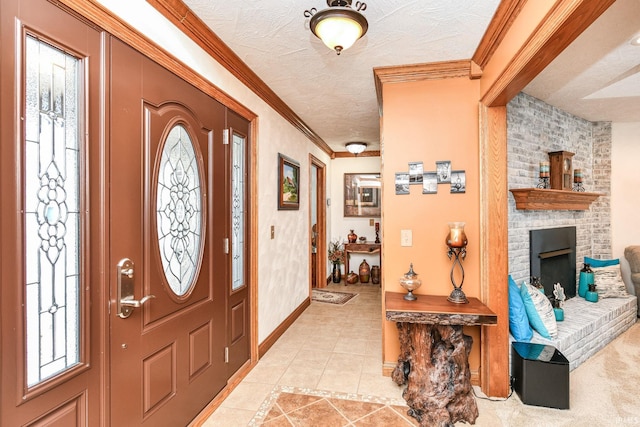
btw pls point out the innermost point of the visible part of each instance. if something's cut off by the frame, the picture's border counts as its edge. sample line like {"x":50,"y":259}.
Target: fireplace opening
{"x":552,"y":258}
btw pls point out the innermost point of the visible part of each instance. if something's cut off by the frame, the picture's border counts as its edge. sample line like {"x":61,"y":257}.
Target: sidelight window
{"x":51,"y":177}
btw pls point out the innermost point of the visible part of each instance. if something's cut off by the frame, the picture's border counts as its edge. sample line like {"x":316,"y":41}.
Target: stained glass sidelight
{"x":238,"y":210}
{"x":179,"y":211}
{"x":51,"y":177}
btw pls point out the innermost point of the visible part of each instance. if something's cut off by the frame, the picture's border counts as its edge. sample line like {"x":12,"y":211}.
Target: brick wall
{"x":535,"y":128}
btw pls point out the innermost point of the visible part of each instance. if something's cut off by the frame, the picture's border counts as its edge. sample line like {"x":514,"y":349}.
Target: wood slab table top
{"x":437,"y":310}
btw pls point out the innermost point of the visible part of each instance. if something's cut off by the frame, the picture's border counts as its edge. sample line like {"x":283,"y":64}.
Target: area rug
{"x":331,"y":297}
{"x":293,"y":406}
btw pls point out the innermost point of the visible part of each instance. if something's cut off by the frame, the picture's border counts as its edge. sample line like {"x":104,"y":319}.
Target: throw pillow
{"x":597,"y":263}
{"x":539,"y":311}
{"x":609,"y":282}
{"x":518,"y":320}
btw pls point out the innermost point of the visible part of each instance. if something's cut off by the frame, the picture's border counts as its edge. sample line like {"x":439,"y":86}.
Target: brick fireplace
{"x":534,"y":129}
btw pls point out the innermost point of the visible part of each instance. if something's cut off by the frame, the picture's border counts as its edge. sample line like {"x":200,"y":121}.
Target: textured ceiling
{"x":598,"y":76}
{"x":335,"y":95}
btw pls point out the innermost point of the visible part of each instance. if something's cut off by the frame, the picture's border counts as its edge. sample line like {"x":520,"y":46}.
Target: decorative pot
{"x":336,"y":274}
{"x":352,"y":237}
{"x":375,"y":275}
{"x":351,"y":278}
{"x":364,"y":271}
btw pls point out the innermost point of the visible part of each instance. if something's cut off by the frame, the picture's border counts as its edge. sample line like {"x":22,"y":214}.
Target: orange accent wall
{"x":427,"y":121}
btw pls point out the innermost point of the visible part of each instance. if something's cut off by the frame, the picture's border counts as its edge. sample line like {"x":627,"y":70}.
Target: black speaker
{"x":540,"y":375}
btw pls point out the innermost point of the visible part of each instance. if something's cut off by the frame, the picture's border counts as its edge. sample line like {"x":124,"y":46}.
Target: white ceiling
{"x":335,"y":95}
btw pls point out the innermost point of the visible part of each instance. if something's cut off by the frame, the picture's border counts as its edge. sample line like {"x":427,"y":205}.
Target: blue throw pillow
{"x":518,"y":320}
{"x":539,"y":311}
{"x":598,"y":263}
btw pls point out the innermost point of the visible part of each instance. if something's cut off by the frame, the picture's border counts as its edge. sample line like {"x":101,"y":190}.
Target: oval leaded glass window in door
{"x":179,"y":211}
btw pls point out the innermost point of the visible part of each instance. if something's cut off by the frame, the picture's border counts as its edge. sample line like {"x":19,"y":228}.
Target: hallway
{"x":331,"y":351}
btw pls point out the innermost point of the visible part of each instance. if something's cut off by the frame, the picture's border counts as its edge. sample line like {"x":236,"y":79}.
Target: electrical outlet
{"x":406,"y":238}
{"x":371,"y":222}
{"x":273,"y":232}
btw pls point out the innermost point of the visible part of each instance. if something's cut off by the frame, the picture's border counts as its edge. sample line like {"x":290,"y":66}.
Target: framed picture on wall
{"x":458,"y":182}
{"x":443,"y":169}
{"x":362,"y":194}
{"x":288,"y":183}
{"x":430,"y":183}
{"x":416,"y":171}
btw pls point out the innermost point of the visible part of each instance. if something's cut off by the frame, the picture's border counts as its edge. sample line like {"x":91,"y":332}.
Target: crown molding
{"x":194,"y":28}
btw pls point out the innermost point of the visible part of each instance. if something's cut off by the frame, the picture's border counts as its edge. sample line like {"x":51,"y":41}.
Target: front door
{"x":169,"y":252}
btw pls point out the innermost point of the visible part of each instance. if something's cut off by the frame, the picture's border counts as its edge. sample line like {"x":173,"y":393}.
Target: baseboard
{"x":265,"y":345}
{"x":388,"y":367}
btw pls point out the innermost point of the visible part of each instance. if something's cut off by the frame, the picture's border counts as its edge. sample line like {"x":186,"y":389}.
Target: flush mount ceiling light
{"x":340,"y":26}
{"x":635,"y":41}
{"x":356,"y":147}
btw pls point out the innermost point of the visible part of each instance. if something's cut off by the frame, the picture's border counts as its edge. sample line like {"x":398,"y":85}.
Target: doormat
{"x":331,"y":297}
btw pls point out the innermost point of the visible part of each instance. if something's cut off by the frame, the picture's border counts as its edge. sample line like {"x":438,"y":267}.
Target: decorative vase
{"x":375,"y":275}
{"x":586,"y":279}
{"x":351,"y":278}
{"x":352,"y":237}
{"x":364,"y":271}
{"x":592,"y":294}
{"x":410,"y":282}
{"x":336,"y":274}
{"x":559,"y":313}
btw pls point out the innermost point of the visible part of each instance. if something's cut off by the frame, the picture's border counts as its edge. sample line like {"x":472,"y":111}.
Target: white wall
{"x":339,"y":224}
{"x":283,"y":274}
{"x":625,"y":191}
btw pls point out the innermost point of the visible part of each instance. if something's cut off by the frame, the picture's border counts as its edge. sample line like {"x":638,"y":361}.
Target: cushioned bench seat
{"x":588,"y":327}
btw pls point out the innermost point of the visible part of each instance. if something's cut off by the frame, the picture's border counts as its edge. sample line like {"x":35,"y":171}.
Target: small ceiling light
{"x":340,"y":26}
{"x":635,"y":41}
{"x":356,"y":147}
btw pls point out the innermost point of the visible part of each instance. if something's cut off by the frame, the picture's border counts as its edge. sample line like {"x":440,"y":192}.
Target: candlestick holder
{"x":578,"y":187}
{"x":543,"y":182}
{"x":377,"y":232}
{"x":457,"y":243}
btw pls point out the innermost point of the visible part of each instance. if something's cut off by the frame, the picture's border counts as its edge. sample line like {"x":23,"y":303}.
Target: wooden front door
{"x":51,"y":219}
{"x":168,"y":244}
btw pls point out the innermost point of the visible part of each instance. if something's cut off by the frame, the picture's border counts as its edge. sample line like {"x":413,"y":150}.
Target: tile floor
{"x":330,"y":349}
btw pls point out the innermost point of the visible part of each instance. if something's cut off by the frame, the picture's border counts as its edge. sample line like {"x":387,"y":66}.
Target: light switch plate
{"x":273,"y":232}
{"x":406,"y":238}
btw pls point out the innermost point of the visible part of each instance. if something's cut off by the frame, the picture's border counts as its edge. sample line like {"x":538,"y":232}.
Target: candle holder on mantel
{"x":457,"y":243}
{"x":543,"y":181}
{"x":577,"y":181}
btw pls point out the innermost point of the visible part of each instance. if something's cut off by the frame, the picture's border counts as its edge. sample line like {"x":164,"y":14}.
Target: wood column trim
{"x":494,"y":253}
{"x":562,"y":25}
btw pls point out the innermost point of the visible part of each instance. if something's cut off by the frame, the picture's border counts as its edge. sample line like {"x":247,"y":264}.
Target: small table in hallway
{"x":361,"y":248}
{"x":434,"y":355}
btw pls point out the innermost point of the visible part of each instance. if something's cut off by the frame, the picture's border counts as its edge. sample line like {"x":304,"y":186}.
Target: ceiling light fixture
{"x":635,"y":41}
{"x":340,"y":26}
{"x":356,"y":147}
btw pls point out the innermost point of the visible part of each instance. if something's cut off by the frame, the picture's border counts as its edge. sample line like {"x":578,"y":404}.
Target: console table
{"x":361,"y":248}
{"x":434,"y":355}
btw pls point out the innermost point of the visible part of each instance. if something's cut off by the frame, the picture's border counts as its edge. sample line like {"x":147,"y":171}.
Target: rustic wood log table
{"x":434,"y":356}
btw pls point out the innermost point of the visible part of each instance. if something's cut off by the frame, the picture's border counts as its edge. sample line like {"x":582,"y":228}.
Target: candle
{"x":544,"y":170}
{"x":577,"y":175}
{"x":456,"y":237}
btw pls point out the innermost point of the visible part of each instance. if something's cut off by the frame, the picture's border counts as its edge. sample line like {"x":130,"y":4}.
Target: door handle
{"x":126,"y":301}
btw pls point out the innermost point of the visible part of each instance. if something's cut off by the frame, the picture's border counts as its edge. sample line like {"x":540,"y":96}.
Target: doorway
{"x":317,"y":221}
